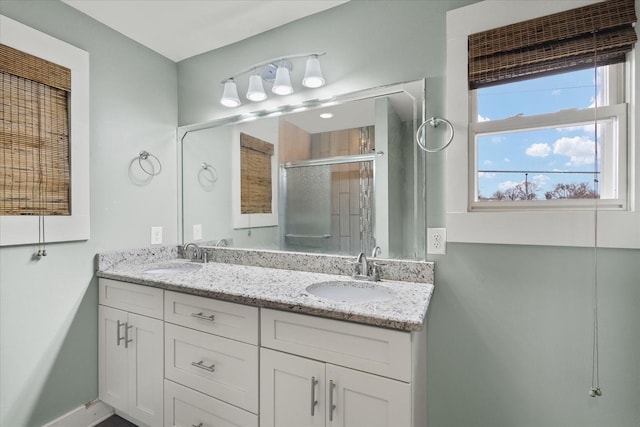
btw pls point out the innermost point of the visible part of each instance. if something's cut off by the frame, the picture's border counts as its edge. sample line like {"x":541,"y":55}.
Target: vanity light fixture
{"x":256,"y":89}
{"x":230,"y":96}
{"x":276,"y":71}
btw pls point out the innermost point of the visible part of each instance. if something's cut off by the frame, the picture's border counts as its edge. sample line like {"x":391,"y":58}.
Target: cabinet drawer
{"x":367,"y":348}
{"x":219,"y":367}
{"x":145,"y":300}
{"x":235,"y":321}
{"x":186,"y":407}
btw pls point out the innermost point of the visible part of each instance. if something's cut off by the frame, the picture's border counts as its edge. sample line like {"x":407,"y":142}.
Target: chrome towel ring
{"x":208,"y":172}
{"x":433,"y":122}
{"x":145,"y":155}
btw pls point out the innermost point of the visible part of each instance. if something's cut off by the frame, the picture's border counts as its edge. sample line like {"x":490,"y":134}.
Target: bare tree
{"x":580,"y":190}
{"x":522,"y":191}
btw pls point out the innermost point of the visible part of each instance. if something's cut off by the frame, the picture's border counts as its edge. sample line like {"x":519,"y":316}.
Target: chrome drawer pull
{"x":118,"y":332}
{"x":126,"y":334}
{"x":314,"y":402}
{"x":332,"y":407}
{"x":203,"y":317}
{"x":199,"y":425}
{"x":201,"y":365}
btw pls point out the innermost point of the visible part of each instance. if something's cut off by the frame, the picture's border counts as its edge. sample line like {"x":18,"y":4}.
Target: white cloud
{"x":556,"y":92}
{"x":541,"y":149}
{"x":486,"y":174}
{"x":483,"y":119}
{"x":541,"y":180}
{"x":487,"y":163}
{"x":507,"y":160}
{"x":579,"y":149}
{"x":505,"y":185}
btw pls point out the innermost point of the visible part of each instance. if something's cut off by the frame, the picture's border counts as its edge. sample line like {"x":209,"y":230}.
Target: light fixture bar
{"x":273,"y":61}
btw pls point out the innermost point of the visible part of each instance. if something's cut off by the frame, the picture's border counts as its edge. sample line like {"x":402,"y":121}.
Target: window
{"x":255,"y":172}
{"x":72,"y":223}
{"x":470,"y":215}
{"x":534,"y":141}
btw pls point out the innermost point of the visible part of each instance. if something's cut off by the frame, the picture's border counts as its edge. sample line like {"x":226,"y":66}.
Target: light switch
{"x":156,"y":235}
{"x":197,"y":231}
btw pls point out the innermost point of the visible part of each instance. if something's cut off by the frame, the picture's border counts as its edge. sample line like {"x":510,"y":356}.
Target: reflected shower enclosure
{"x":327,"y":201}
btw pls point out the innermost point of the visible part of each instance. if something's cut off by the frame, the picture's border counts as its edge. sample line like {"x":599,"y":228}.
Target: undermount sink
{"x":351,"y":291}
{"x":174,"y":268}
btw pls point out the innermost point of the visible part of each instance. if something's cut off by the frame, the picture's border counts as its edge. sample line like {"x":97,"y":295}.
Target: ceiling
{"x":180,"y":29}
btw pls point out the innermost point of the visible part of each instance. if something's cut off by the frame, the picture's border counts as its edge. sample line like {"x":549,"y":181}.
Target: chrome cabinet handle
{"x":126,"y":334}
{"x":118,"y":332}
{"x":201,"y":365}
{"x":199,"y":425}
{"x":332,"y":407}
{"x":314,"y":402}
{"x":203,"y":317}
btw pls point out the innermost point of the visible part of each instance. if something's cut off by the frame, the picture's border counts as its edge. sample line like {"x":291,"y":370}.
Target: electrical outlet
{"x":156,"y":235}
{"x":197,"y":231}
{"x":437,"y":241}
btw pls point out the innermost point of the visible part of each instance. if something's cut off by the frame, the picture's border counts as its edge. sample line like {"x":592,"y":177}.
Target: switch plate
{"x":156,"y":235}
{"x":436,"y":241}
{"x":197,"y":231}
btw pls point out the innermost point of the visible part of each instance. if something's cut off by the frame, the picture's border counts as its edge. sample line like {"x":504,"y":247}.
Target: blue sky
{"x":555,"y":149}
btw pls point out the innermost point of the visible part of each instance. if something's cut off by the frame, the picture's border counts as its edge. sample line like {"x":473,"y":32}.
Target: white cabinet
{"x":300,"y":392}
{"x":211,"y":362}
{"x":358,"y":399}
{"x":130,"y":351}
{"x":175,"y":359}
{"x":292,"y":390}
{"x":377,"y":384}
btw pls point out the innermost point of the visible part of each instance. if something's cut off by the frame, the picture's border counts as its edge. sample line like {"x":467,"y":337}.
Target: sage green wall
{"x":509,"y":326}
{"x":48,"y":308}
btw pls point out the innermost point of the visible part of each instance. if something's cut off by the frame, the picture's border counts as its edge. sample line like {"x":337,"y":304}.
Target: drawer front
{"x":235,"y":321}
{"x":367,"y":348}
{"x":145,"y":300}
{"x":186,"y":407}
{"x":219,"y":367}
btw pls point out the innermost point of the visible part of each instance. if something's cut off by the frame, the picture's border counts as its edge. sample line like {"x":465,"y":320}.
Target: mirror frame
{"x":419,"y":105}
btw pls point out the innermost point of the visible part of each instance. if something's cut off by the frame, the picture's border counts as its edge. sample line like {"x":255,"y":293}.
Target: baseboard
{"x":87,"y":415}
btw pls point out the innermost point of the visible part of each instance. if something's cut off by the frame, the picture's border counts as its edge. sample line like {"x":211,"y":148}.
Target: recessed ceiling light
{"x":326,"y":115}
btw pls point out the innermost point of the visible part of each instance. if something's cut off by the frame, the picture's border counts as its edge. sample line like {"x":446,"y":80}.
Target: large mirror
{"x":338,"y":176}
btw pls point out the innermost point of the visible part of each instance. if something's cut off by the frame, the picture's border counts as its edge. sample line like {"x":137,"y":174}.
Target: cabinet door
{"x":113,"y":369}
{"x":288,"y":387}
{"x":146,"y":369}
{"x":363,"y":399}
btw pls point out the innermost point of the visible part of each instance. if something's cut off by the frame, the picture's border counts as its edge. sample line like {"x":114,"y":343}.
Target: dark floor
{"x":115,"y":421}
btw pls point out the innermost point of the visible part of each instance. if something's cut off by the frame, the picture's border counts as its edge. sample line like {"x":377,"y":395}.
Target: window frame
{"x":571,"y":226}
{"x":23,"y":229}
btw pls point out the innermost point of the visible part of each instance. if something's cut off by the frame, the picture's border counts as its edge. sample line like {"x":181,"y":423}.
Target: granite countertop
{"x":272,"y":288}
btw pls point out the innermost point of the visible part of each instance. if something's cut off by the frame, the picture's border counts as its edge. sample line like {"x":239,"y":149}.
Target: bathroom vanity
{"x":228,"y":344}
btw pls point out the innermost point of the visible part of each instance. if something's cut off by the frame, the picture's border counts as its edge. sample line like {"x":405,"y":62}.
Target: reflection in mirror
{"x":343,"y":177}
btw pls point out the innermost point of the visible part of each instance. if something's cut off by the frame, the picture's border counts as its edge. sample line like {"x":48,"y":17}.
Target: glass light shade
{"x":230,"y":96}
{"x":313,"y":74}
{"x":256,"y":89}
{"x":282,"y":84}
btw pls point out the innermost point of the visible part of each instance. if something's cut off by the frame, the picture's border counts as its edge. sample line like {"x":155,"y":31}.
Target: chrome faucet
{"x":376,"y":251}
{"x":199,"y":255}
{"x":362,"y":268}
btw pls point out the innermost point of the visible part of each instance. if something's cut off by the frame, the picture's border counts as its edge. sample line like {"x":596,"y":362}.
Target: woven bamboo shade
{"x":34,"y":135}
{"x":255,"y":172}
{"x":561,"y":42}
